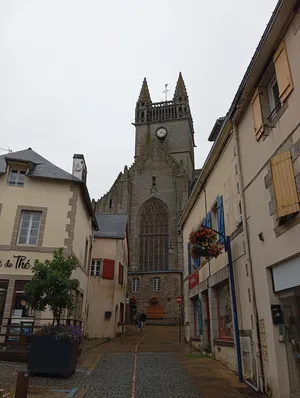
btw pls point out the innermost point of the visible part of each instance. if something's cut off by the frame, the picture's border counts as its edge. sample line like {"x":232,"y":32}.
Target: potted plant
{"x":54,"y":348}
{"x":132,"y":300}
{"x":155,"y":300}
{"x":204,"y":243}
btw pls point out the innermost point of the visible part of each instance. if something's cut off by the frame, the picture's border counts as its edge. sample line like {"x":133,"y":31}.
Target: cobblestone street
{"x":138,"y":365}
{"x":155,"y":364}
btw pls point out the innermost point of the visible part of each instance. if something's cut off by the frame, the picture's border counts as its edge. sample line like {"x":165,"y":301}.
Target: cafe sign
{"x":18,"y":262}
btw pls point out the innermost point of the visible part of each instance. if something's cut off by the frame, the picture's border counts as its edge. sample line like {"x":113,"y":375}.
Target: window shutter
{"x":189,"y":259}
{"x":257,"y":113}
{"x":221,"y":223}
{"x":108,"y":269}
{"x":286,"y":196}
{"x":208,"y":220}
{"x":283,"y":72}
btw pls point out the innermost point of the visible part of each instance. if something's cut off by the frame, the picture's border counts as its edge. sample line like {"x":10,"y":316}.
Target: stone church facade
{"x":153,"y":193}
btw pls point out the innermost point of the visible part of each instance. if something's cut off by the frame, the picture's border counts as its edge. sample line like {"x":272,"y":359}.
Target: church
{"x":153,"y":193}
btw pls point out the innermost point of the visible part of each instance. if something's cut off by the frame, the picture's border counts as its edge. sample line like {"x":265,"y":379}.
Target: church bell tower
{"x":169,"y":121}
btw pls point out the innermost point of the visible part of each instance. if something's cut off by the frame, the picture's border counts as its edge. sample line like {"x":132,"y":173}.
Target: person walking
{"x":137,"y":321}
{"x":142,"y":319}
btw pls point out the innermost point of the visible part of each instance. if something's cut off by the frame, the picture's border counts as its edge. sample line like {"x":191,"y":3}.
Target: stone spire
{"x":180,"y":94}
{"x":144,"y":94}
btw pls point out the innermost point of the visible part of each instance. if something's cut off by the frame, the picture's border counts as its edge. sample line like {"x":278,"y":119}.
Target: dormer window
{"x":16,"y":177}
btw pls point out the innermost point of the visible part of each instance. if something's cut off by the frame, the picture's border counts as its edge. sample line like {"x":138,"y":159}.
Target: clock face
{"x":161,"y":132}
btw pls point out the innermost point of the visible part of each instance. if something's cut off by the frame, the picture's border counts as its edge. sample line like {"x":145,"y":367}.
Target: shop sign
{"x":19,"y":262}
{"x":193,"y":280}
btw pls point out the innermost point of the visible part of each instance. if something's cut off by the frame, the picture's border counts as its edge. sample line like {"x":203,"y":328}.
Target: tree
{"x":52,"y":284}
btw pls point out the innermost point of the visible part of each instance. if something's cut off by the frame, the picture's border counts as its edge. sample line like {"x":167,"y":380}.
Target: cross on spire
{"x":166,"y":92}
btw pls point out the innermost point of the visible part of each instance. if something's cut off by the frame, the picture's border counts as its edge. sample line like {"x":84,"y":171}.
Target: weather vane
{"x":166,"y":91}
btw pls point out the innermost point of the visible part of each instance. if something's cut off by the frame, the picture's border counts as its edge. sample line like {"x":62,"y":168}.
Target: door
{"x":291,"y":314}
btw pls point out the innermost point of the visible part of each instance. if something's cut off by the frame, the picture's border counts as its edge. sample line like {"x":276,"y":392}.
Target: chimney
{"x":79,"y":167}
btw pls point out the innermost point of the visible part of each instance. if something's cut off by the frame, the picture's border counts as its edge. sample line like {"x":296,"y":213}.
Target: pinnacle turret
{"x":180,"y":94}
{"x":144,"y":94}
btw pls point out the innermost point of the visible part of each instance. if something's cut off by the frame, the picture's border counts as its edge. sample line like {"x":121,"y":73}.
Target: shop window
{"x":198,"y":323}
{"x":3,"y":294}
{"x":224,"y":312}
{"x":156,"y":284}
{"x":20,"y":301}
{"x":135,"y":284}
{"x":29,"y":227}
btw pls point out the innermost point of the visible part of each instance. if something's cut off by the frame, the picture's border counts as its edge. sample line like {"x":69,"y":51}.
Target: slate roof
{"x":40,"y":167}
{"x":111,"y":226}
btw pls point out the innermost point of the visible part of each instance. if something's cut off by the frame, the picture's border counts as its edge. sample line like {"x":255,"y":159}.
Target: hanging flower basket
{"x":204,"y":243}
{"x":154,"y":300}
{"x":132,"y":300}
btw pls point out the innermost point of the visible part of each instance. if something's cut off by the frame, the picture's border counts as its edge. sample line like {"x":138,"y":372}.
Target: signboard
{"x":179,"y":300}
{"x":19,"y":262}
{"x":193,"y":280}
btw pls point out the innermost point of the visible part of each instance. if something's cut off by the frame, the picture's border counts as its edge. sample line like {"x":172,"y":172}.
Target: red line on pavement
{"x":135,"y":366}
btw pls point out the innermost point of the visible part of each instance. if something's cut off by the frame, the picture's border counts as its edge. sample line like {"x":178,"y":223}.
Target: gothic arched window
{"x":154,"y":236}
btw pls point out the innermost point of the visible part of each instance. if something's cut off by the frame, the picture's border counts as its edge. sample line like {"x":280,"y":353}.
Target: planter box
{"x":50,"y":356}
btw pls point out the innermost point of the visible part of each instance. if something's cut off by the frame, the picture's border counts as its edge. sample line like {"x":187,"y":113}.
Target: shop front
{"x":286,"y":282}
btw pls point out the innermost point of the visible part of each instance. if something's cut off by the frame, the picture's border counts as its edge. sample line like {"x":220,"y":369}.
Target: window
{"x":273,"y":91}
{"x":29,"y":228}
{"x":135,"y":284}
{"x":16,"y":178}
{"x":86,"y":253}
{"x":95,"y":267}
{"x":274,"y":88}
{"x":156,"y":284}
{"x":224,"y":312}
{"x":121,"y":274}
{"x":154,"y":236}
{"x":110,"y":203}
{"x":3,"y":294}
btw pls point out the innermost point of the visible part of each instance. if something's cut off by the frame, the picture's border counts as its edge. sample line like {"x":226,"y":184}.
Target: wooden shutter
{"x":108,"y":270}
{"x":221,"y":221}
{"x":284,"y":184}
{"x":283,"y":72}
{"x":257,"y":114}
{"x":189,"y":259}
{"x":208,"y":220}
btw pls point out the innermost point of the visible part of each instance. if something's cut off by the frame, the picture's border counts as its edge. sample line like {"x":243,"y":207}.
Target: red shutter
{"x":121,"y":276}
{"x":108,"y":269}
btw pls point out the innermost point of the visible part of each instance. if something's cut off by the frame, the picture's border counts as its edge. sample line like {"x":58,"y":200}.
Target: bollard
{"x":22,"y":385}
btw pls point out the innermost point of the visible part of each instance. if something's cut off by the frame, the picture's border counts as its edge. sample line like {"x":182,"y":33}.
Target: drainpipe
{"x":234,"y":308}
{"x":259,"y":366}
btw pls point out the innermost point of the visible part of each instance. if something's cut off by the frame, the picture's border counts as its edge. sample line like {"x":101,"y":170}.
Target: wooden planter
{"x":50,"y":356}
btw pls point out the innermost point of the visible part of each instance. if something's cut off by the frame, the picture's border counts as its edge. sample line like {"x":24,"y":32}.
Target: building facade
{"x":42,"y":208}
{"x":209,"y":313}
{"x":257,"y":173}
{"x":153,"y":192}
{"x":108,"y":278}
{"x":267,"y":125}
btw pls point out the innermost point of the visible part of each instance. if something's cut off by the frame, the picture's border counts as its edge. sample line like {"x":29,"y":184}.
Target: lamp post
{"x":227,"y":245}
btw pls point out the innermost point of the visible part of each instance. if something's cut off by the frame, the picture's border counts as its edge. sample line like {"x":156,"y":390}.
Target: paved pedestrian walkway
{"x":156,"y":364}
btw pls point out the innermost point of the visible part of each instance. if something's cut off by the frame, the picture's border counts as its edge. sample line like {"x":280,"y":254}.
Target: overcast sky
{"x":71,"y":72}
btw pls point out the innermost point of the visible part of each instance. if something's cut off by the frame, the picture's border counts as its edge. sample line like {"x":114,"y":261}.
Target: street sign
{"x":179,"y":299}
